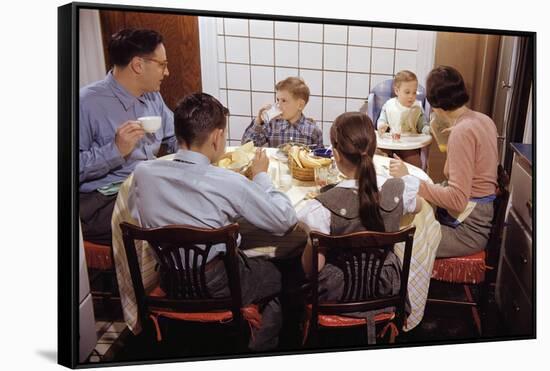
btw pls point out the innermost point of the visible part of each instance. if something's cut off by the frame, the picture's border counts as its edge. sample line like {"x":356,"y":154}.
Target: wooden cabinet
{"x":514,"y":288}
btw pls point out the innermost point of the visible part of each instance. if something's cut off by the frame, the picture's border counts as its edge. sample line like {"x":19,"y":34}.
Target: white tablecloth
{"x":426,"y":240}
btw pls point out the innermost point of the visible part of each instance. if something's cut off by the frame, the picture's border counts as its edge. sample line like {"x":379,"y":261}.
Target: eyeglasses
{"x":163,"y":64}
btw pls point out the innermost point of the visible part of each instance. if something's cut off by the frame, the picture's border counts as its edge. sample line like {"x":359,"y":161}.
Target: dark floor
{"x":441,"y":323}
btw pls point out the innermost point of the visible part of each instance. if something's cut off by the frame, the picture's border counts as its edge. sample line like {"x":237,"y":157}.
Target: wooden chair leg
{"x":475,"y":312}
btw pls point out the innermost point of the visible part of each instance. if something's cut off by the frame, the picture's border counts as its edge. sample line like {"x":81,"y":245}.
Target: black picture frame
{"x":68,"y":231}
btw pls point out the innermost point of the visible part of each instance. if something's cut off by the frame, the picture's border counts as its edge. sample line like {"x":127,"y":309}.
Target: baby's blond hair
{"x":295,"y":86}
{"x":403,"y":76}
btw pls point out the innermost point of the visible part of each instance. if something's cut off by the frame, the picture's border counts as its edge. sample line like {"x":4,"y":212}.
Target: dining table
{"x":256,"y":242}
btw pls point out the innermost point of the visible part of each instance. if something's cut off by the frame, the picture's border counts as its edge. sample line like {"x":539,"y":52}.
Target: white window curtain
{"x":91,"y":56}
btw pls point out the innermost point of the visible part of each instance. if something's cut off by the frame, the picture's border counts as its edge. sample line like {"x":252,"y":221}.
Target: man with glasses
{"x":112,"y":141}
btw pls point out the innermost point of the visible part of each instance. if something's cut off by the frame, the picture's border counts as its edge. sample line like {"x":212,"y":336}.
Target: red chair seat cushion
{"x":221,"y":316}
{"x":250,"y":313}
{"x":333,"y":320}
{"x":98,"y":256}
{"x":468,"y":269}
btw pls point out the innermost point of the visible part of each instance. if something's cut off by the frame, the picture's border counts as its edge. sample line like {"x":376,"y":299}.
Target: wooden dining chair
{"x":184,"y":295}
{"x":356,"y":254}
{"x":472,"y":270}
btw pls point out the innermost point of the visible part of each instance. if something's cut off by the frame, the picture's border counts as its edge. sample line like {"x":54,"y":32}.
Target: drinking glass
{"x":333,"y":173}
{"x":321,"y":176}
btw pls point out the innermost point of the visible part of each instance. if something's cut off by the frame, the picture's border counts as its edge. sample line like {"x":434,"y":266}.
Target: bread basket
{"x":305,"y":174}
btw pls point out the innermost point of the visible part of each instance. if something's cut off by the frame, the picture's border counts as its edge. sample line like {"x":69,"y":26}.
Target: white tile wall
{"x":335,"y":57}
{"x":407,"y":39}
{"x":405,"y":60}
{"x":261,"y":28}
{"x":334,"y":83}
{"x":358,"y":85}
{"x":336,"y":34}
{"x":359,"y":59}
{"x":286,"y":53}
{"x":383,"y":37}
{"x":314,"y":108}
{"x":238,"y":76}
{"x":314,"y":80}
{"x":332,"y":107}
{"x":377,"y":79}
{"x":236,"y":27}
{"x":237,"y":126}
{"x":340,"y":64}
{"x":261,"y":51}
{"x":354,"y":105}
{"x":236,"y":49}
{"x":239,"y":102}
{"x":262,"y":78}
{"x":382,"y":61}
{"x":311,"y":55}
{"x":360,"y":35}
{"x":286,"y":30}
{"x":311,"y":32}
{"x":283,"y":73}
{"x":326,"y":132}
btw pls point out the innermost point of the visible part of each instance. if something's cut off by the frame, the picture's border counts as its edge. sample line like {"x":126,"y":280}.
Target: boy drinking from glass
{"x":290,"y":125}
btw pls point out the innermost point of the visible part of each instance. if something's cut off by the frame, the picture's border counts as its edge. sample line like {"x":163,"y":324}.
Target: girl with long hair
{"x":365,"y":200}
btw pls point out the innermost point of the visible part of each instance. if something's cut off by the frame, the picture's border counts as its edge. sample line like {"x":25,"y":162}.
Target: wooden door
{"x":476,"y":57}
{"x":181,"y":40}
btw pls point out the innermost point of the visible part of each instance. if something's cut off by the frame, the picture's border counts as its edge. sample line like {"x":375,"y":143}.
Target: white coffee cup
{"x":271,"y":113}
{"x":150,"y":123}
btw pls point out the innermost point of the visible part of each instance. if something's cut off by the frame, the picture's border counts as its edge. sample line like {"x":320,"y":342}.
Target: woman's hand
{"x":398,"y":168}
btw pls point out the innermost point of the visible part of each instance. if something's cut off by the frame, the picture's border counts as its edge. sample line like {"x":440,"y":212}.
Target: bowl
{"x":323,"y":152}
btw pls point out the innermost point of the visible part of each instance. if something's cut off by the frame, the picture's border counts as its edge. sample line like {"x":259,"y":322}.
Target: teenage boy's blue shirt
{"x":187,"y":191}
{"x":104,"y":106}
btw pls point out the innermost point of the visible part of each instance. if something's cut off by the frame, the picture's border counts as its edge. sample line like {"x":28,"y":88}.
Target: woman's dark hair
{"x":196,"y":116}
{"x":130,"y":42}
{"x":352,"y":135}
{"x":445,"y":88}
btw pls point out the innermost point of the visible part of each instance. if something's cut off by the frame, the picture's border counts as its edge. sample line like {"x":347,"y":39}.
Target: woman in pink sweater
{"x":464,"y":201}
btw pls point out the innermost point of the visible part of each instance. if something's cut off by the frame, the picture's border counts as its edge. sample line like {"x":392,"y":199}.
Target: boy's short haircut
{"x":196,"y":116}
{"x":404,"y":76}
{"x":295,"y":86}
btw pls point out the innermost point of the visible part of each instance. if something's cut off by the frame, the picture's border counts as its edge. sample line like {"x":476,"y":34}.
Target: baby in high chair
{"x":404,"y":114}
